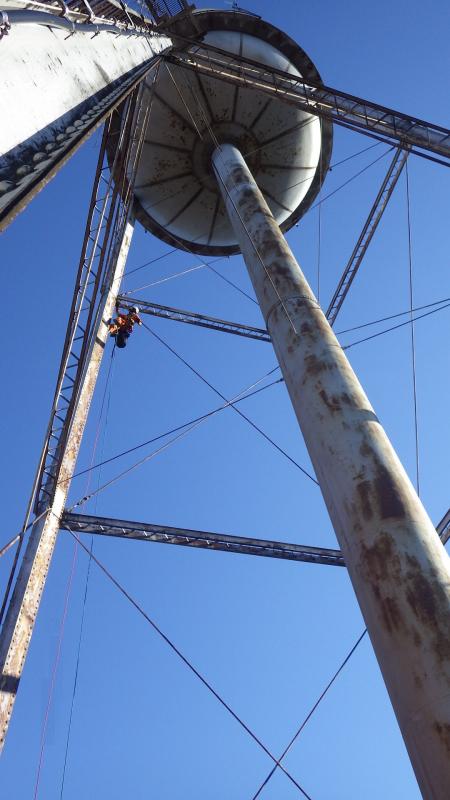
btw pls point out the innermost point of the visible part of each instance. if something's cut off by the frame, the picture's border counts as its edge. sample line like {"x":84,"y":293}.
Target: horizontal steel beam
{"x":146,"y":532}
{"x":315,"y":98}
{"x":82,"y":523}
{"x":443,"y":528}
{"x":92,"y":10}
{"x":193,"y":318}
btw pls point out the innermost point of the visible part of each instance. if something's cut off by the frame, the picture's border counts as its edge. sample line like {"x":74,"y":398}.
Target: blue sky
{"x":267,"y":634}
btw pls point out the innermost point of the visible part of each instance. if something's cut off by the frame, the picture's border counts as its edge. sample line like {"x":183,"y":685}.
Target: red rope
{"x":55,"y":669}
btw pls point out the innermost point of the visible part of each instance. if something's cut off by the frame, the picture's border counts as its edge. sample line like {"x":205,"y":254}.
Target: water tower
{"x":177,"y":195}
{"x":224,"y":148}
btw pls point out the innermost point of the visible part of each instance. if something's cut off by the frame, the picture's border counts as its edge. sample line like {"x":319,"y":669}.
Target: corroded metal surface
{"x":398,"y":566}
{"x":19,"y":622}
{"x":163,"y":534}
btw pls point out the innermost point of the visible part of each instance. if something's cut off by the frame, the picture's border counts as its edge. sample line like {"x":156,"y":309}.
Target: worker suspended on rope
{"x":122,"y":326}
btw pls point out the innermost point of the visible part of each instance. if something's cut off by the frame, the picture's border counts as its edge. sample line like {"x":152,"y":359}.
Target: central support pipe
{"x":399,"y":569}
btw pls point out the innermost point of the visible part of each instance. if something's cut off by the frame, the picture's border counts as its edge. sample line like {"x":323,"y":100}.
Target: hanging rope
{"x":202,"y":265}
{"x":55,"y":671}
{"x":350,"y":180}
{"x":64,"y":616}
{"x":333,"y":166}
{"x":393,"y":316}
{"x":189,"y":664}
{"x":159,"y":281}
{"x":396,"y":327}
{"x":222,"y":396}
{"x":108,"y":389}
{"x":152,"y":455}
{"x":413,"y":343}
{"x":219,"y":178}
{"x":177,"y":428}
{"x":319,"y":227}
{"x":77,"y":667}
{"x":310,"y":713}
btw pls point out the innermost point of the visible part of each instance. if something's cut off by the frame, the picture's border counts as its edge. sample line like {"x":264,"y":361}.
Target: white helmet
{"x":135,"y":309}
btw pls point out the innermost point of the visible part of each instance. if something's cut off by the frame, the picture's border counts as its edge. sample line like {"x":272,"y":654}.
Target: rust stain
{"x":386,"y":490}
{"x":390,"y":502}
{"x":365,"y":449}
{"x":389,"y":499}
{"x":363,"y":489}
{"x":392,"y":617}
{"x":382,"y":558}
{"x":443,"y":731}
{"x":314,"y":366}
{"x":332,"y":403}
{"x":418,"y":682}
{"x":426,"y":600}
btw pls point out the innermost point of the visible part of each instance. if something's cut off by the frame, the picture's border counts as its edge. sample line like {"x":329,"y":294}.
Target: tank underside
{"x":288,"y":151}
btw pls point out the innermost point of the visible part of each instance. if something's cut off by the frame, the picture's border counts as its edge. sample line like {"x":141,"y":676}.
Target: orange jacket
{"x":126,"y":321}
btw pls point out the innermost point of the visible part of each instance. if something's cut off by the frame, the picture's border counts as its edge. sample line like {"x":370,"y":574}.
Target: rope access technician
{"x":122,"y":326}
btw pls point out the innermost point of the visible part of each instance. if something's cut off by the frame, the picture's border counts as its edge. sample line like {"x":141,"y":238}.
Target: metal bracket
{"x":64,"y":9}
{"x":91,"y":15}
{"x":125,"y":11}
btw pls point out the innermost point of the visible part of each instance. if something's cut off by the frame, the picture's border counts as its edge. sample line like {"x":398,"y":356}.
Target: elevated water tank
{"x":288,"y":151}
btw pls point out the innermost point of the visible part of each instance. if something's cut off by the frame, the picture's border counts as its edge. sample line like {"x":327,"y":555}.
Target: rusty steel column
{"x":399,"y":569}
{"x":19,"y":621}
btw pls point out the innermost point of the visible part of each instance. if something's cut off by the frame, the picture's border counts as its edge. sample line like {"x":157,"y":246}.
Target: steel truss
{"x":163,"y":10}
{"x":163,"y":534}
{"x":145,"y":532}
{"x":96,"y":10}
{"x":371,"y":224}
{"x":194,"y":318}
{"x":108,"y":214}
{"x":315,"y":98}
{"x":443,"y":528}
{"x":106,"y":243}
{"x":106,"y":207}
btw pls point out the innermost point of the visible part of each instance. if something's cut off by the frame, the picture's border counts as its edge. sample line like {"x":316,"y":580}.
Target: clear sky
{"x":267,"y":634}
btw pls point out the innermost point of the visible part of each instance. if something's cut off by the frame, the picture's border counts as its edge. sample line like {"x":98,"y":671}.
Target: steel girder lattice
{"x":163,"y":534}
{"x":194,"y":318}
{"x":106,"y":244}
{"x":106,"y":205}
{"x":371,"y":224}
{"x":344,"y":109}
